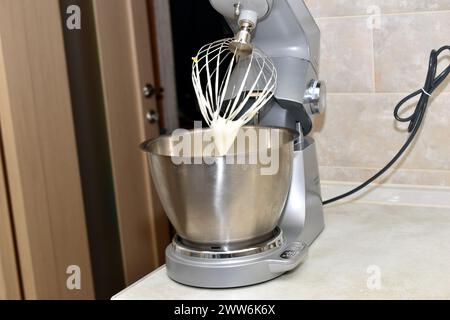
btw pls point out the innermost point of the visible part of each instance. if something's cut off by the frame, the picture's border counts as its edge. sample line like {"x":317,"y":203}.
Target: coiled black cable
{"x":415,"y":119}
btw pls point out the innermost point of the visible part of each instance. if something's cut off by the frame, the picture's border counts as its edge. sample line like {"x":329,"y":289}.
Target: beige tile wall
{"x":373,"y":53}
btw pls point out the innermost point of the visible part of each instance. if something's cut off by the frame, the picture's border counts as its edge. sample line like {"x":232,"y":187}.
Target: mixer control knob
{"x":316,"y":96}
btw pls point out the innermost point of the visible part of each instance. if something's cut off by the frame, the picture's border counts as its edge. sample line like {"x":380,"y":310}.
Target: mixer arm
{"x":286,"y":32}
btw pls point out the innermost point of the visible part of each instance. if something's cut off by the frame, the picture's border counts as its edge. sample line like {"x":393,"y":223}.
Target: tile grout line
{"x":399,"y":204}
{"x":396,"y":169}
{"x":376,"y":185}
{"x":373,"y":59}
{"x":377,"y":92}
{"x":393,"y":194}
{"x":384,"y":14}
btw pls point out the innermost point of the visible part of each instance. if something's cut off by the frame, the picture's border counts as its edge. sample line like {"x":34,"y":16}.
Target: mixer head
{"x":285,"y":31}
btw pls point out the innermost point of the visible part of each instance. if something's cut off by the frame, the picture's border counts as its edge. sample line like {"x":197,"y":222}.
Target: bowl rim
{"x":144,"y":146}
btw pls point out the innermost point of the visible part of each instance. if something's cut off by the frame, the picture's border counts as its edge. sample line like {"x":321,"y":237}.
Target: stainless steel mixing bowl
{"x":222,"y":204}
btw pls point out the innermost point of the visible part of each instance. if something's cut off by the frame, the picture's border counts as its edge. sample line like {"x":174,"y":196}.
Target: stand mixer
{"x":235,"y":227}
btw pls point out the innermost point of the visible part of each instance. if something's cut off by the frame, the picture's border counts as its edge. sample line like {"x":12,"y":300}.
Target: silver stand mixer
{"x":235,"y":227}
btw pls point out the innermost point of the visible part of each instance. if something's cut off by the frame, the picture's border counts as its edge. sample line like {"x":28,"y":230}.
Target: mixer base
{"x":236,"y":271}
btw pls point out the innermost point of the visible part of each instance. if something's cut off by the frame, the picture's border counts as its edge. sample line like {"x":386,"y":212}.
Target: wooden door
{"x":43,"y":230}
{"x":40,"y":156}
{"x":126,"y":66}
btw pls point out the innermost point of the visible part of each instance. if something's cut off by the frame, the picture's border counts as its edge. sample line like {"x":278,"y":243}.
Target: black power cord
{"x":415,"y":119}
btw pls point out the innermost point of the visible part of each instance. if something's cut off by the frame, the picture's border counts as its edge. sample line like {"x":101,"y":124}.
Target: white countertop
{"x":408,"y":244}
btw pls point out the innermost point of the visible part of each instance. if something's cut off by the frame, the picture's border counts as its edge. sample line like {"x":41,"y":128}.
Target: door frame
{"x":164,"y":64}
{"x":125,"y":54}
